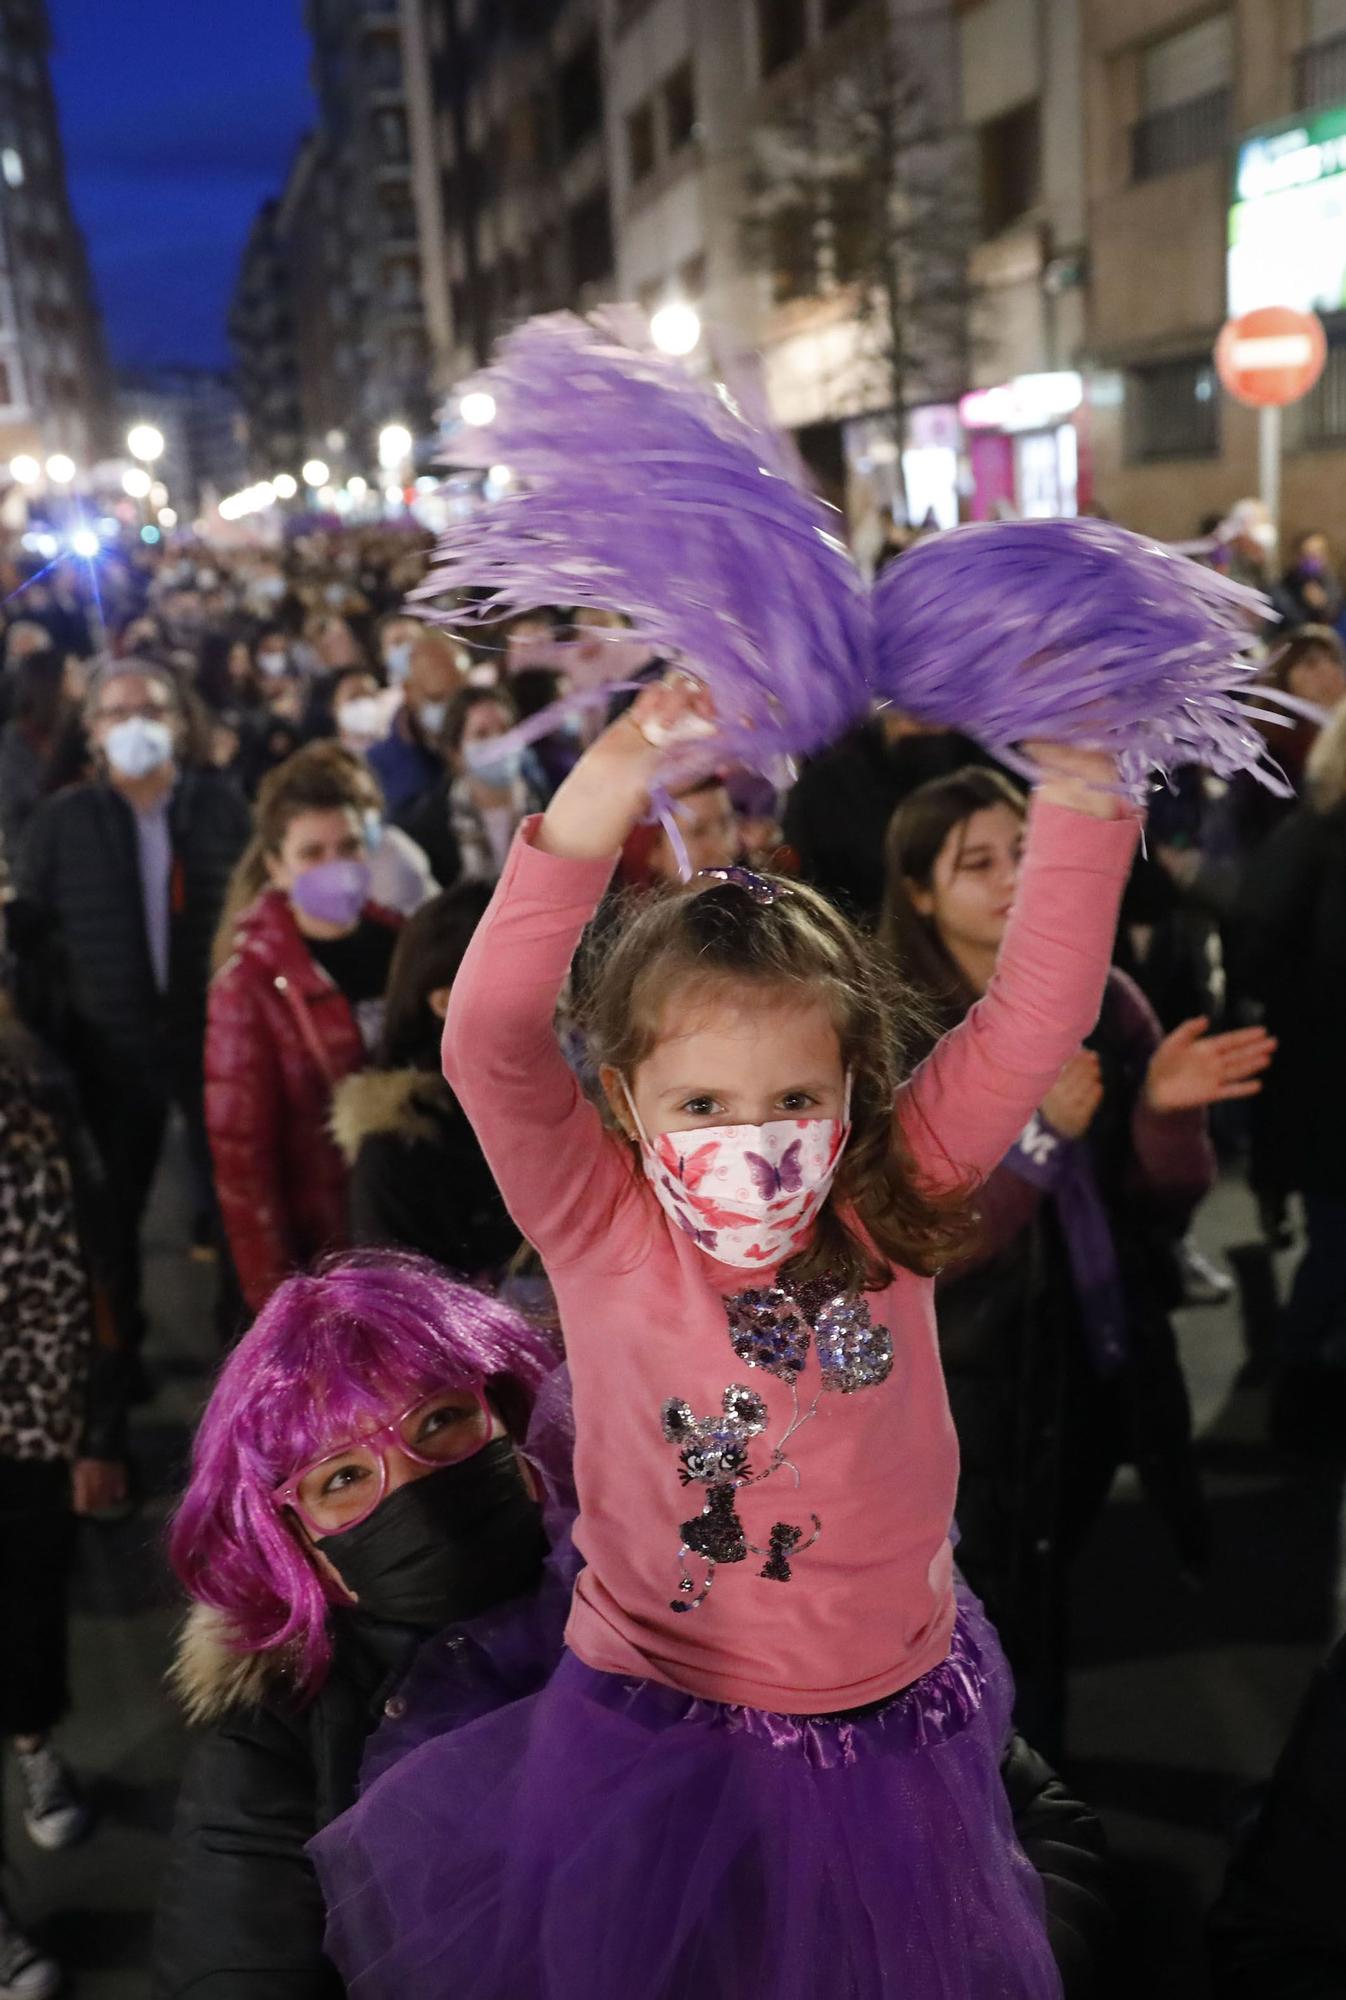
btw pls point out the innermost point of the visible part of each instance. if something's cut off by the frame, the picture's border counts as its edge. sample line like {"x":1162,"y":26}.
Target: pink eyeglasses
{"x":343,"y":1487}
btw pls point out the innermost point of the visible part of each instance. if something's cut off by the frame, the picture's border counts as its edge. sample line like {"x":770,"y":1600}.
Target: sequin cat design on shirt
{"x":771,"y":1328}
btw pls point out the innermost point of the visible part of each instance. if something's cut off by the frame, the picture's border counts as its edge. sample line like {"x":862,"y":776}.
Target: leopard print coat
{"x":45,"y":1313}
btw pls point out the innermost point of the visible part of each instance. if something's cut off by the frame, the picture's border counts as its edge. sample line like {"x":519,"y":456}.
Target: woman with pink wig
{"x":358,"y":1483}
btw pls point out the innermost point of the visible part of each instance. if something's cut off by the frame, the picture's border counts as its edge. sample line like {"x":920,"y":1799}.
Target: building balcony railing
{"x":1320,"y":73}
{"x":1181,"y":136}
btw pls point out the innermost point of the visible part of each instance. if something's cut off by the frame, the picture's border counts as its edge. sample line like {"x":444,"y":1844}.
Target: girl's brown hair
{"x":917,"y":833}
{"x":697,"y":941}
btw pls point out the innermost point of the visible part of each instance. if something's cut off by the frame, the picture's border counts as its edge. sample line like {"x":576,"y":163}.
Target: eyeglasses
{"x":134,"y":711}
{"x":343,"y":1488}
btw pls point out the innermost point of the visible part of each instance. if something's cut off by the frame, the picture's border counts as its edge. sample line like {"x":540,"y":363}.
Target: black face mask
{"x":447,"y":1546}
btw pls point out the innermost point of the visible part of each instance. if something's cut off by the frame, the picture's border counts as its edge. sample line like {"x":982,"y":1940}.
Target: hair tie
{"x":758,"y":887}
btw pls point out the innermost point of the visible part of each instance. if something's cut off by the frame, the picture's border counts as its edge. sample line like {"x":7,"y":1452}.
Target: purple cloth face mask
{"x":334,"y":892}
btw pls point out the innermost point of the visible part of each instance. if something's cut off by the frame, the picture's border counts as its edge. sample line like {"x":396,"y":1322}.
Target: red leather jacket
{"x":280,"y":1035}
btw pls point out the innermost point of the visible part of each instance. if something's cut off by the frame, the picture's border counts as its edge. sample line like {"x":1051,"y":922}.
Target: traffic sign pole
{"x":1269,"y":433}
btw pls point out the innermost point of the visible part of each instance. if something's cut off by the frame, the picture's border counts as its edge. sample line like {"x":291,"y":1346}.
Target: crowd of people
{"x":277,"y":873}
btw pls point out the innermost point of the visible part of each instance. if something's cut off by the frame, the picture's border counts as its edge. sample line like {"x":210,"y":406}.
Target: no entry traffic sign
{"x":1271,"y":357}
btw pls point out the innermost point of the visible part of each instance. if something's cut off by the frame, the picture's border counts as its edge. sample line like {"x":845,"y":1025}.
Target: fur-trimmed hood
{"x":211,"y":1677}
{"x":394,"y":1102}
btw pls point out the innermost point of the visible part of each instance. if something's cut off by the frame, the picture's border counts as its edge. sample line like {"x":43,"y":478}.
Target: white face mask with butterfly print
{"x":748,"y":1195}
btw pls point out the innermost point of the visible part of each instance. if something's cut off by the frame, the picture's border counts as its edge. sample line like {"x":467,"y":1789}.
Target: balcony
{"x":1320,"y":74}
{"x":1181,"y":136}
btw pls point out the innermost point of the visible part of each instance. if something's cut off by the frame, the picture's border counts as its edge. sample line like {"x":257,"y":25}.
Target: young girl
{"x":768,"y":1764}
{"x":1054,"y":1327}
{"x":356,"y":1485}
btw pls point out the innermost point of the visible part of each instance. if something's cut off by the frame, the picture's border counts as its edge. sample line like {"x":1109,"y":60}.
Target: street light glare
{"x":285,"y":486}
{"x":145,"y":442}
{"x":60,"y":469}
{"x":316,"y":472}
{"x":84,"y":542}
{"x":477,"y":408}
{"x":395,"y":443}
{"x":25,"y":469}
{"x":675,"y":329}
{"x":168,"y":517}
{"x":136,"y":482}
{"x":357,"y":487}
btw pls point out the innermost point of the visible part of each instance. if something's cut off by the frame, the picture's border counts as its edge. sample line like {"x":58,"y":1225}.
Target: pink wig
{"x":328,"y":1355}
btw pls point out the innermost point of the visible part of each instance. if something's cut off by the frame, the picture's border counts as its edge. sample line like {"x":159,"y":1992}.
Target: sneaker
{"x":24,"y":1973}
{"x":1203,"y":1283}
{"x":53,"y":1813}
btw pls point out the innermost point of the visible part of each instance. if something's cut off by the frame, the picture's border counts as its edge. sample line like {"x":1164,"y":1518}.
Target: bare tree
{"x":855,"y":189}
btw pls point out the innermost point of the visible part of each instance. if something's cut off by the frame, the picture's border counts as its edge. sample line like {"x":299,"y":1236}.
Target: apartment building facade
{"x":509,"y":128}
{"x":1180,"y":103}
{"x":55,"y":389}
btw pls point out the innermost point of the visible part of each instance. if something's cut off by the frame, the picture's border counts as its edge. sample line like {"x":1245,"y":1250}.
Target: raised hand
{"x":1084,"y":780}
{"x":1070,"y":1104}
{"x":609,"y":789}
{"x":1191,"y":1068}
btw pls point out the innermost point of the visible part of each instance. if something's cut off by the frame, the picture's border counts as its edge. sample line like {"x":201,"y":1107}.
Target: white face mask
{"x":139,"y":745}
{"x":364,"y":719}
{"x":274,"y":663}
{"x":746,"y":1194}
{"x":432,"y":715}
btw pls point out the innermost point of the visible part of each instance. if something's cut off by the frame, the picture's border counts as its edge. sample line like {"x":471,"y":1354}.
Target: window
{"x":782,"y":33}
{"x":640,"y":142}
{"x":1009,"y":153}
{"x":680,"y":107}
{"x":581,"y":97}
{"x":1320,"y":67}
{"x":1173,"y":411}
{"x":836,"y":11}
{"x":590,"y":233}
{"x":1320,"y":418}
{"x":1185,"y":99}
{"x":692,"y":276}
{"x":794,"y":257}
{"x":390,"y":136}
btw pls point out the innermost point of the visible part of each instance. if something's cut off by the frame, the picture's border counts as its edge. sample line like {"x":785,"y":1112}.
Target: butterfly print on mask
{"x":772,"y":1178}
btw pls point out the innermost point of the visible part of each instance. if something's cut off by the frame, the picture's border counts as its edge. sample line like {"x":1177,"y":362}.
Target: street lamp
{"x":357,"y":487}
{"x":285,"y":486}
{"x":477,"y":408}
{"x":145,"y":442}
{"x":316,"y":472}
{"x":26,"y":470}
{"x":676,"y":328}
{"x":168,"y":517}
{"x":395,"y":443}
{"x":136,"y":482}
{"x":60,"y":469}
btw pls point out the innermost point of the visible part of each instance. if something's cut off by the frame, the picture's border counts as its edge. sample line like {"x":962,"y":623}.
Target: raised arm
{"x":968,"y":1102}
{"x":564,"y":1180}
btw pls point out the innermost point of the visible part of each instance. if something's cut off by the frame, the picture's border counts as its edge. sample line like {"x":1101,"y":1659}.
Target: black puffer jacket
{"x":1040,"y":1434}
{"x":1278,"y":1931}
{"x":419,"y":1179}
{"x":240,"y":1913}
{"x":1291,"y":936}
{"x":78,"y":878}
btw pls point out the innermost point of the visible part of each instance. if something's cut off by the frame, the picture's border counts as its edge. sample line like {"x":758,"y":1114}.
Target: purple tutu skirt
{"x":607,"y":1839}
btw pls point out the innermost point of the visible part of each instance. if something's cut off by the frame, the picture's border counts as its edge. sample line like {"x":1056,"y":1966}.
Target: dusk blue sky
{"x":179,"y":117}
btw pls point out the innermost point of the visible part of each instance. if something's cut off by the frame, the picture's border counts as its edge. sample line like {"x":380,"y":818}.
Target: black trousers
{"x":127,"y":1111}
{"x":37,"y":1534}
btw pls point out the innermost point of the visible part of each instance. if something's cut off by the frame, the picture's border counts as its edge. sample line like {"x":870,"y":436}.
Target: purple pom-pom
{"x":1073,"y":631}
{"x":637,"y":489}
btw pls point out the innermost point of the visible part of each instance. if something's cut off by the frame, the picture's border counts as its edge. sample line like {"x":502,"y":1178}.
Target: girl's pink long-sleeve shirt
{"x":869,"y":1608}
